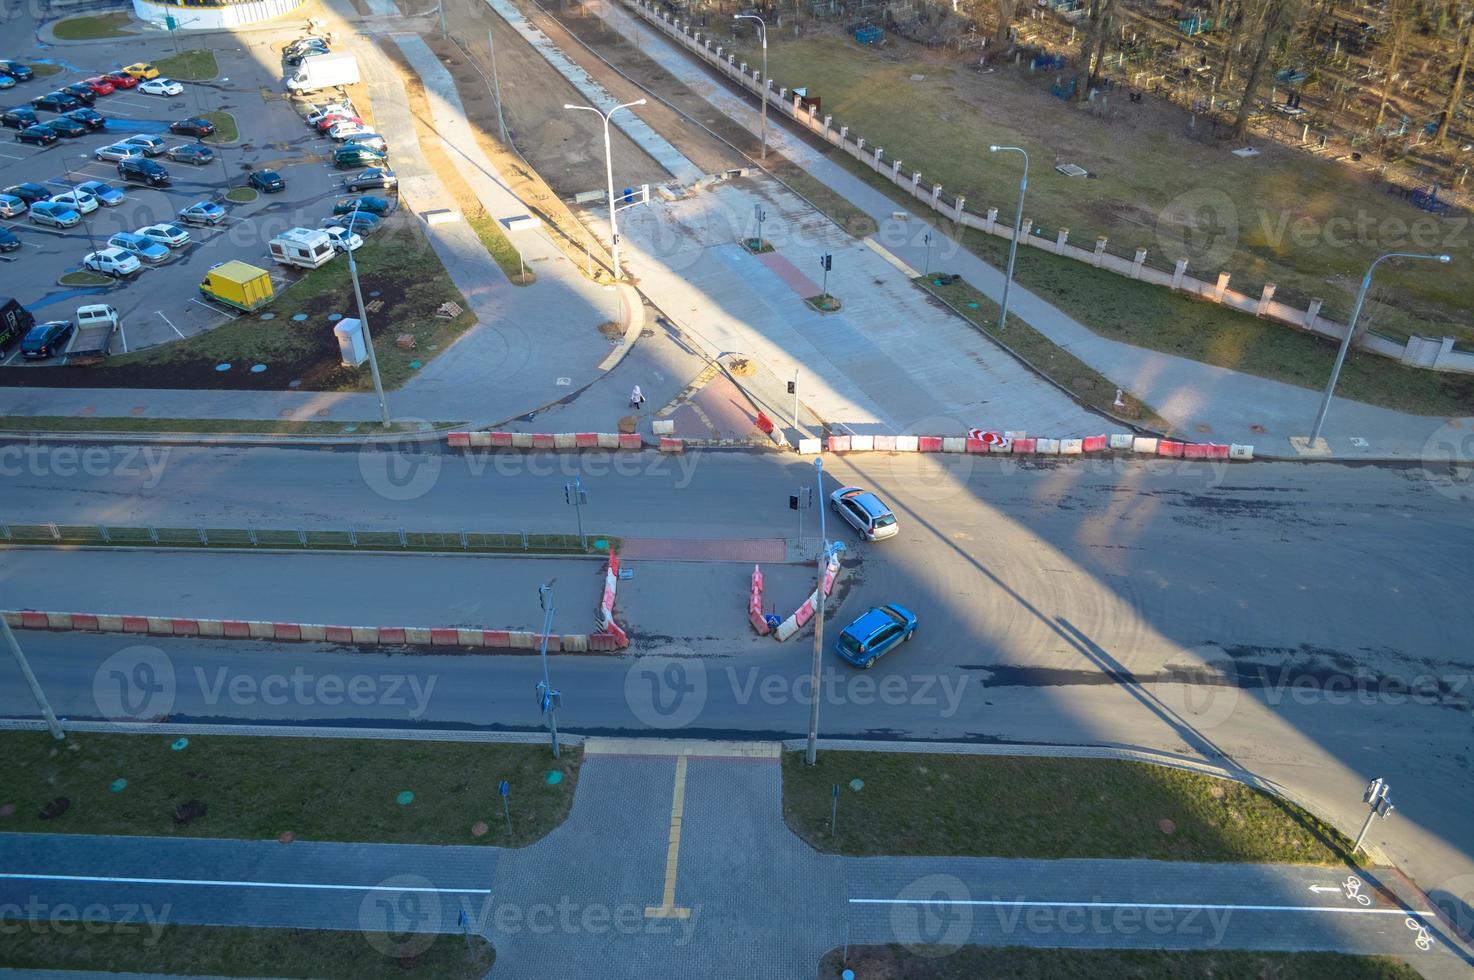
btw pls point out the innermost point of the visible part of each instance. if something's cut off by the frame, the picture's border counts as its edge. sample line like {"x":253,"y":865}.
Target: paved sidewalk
{"x":1234,"y":407}
{"x":675,"y":862}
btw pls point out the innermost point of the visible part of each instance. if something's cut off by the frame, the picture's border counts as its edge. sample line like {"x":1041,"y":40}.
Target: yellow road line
{"x":667,"y":908}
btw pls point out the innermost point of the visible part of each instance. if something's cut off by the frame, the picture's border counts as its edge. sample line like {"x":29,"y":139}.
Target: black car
{"x":266,"y":181}
{"x":193,"y":126}
{"x":28,"y":192}
{"x":8,"y":241}
{"x":16,"y":70}
{"x":90,"y":118}
{"x":375,"y":177}
{"x":57,"y":102}
{"x":80,"y":92}
{"x":46,"y":339}
{"x":19,"y":118}
{"x":366,"y":205}
{"x":143,"y":171}
{"x":39,"y":135}
{"x":65,"y":126}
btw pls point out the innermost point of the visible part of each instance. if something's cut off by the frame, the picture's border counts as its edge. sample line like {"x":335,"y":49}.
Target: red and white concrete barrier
{"x":805,"y":612}
{"x":607,"y":625}
{"x":755,"y":603}
{"x":1022,"y":444}
{"x":561,"y":441}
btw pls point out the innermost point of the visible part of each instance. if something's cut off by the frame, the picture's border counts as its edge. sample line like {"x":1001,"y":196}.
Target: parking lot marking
{"x":228,"y":316}
{"x":13,"y":355}
{"x":11,"y":156}
{"x":170,"y":322}
{"x":124,"y":335}
{"x":206,"y":882}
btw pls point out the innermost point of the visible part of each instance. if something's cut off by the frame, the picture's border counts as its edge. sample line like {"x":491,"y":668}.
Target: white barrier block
{"x":1071,"y":447}
{"x":908,"y":444}
{"x":810,"y":447}
{"x":522,"y":440}
{"x":1046,"y":447}
{"x":608,"y":440}
{"x":481,"y":439}
{"x":564,"y":440}
{"x":786,"y":629}
{"x":1121,"y":441}
{"x":1240,"y":452}
{"x":954,"y":444}
{"x":663,"y":427}
{"x":1144,"y":444}
{"x":862,"y":444}
{"x":314,"y":632}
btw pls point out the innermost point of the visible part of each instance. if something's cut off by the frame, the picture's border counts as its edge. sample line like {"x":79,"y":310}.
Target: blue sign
{"x":504,"y":789}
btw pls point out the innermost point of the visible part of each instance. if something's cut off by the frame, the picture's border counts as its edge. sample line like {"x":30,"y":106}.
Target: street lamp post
{"x":1366,"y":282}
{"x":609,"y":171}
{"x":547,"y":698}
{"x":35,"y":685}
{"x":1018,"y":219}
{"x":811,"y":753}
{"x":363,"y":324}
{"x":762,"y":90}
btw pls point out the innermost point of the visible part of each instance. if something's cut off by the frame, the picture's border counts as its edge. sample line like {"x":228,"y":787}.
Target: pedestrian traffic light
{"x":792,"y":387}
{"x":793,"y":501}
{"x":826,"y":262}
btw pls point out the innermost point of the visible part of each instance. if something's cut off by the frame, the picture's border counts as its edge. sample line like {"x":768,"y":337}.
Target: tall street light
{"x":548,"y":699}
{"x":1018,"y":219}
{"x":609,"y":170}
{"x":1366,"y":282}
{"x":811,"y":752}
{"x":368,"y":340}
{"x":763,"y":88}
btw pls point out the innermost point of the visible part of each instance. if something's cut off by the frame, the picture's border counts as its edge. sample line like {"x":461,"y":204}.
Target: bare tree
{"x":1092,"y":45}
{"x":1234,"y":14}
{"x":1006,"y":9}
{"x":1399,"y":23}
{"x":1278,"y":15}
{"x":1456,"y":92}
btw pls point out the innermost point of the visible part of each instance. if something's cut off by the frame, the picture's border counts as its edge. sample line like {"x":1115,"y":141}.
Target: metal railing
{"x":301,"y":539}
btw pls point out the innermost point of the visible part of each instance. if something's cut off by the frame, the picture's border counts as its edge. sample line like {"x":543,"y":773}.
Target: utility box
{"x":350,"y":342}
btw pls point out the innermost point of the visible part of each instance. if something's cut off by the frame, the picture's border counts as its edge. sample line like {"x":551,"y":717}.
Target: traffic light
{"x":793,"y":501}
{"x":792,"y":387}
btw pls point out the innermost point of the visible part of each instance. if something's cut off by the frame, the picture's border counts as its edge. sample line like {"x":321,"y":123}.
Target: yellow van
{"x":238,"y":284}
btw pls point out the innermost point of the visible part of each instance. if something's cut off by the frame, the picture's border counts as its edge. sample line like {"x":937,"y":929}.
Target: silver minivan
{"x":864,"y":511}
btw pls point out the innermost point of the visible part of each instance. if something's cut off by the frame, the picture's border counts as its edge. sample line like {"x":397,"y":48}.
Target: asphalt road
{"x":1306,"y":622}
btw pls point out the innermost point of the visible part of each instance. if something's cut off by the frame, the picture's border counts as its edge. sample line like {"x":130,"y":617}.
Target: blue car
{"x":875,"y":634}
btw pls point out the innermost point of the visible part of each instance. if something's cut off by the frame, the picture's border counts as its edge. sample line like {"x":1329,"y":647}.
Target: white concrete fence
{"x":1434,"y":353}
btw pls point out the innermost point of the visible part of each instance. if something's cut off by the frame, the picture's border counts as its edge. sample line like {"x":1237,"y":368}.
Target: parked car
{"x":366,"y":204}
{"x":161,"y":86}
{"x":39,"y":135}
{"x":105,"y":194}
{"x":151,"y":145}
{"x":119,"y":151}
{"x":56,"y":102}
{"x":90,"y":118}
{"x":318,"y":113}
{"x":371,"y":140}
{"x":118,"y":79}
{"x":8,"y":240}
{"x":879,"y":631}
{"x":141,"y":71}
{"x":143,"y":171}
{"x":16,"y":70}
{"x":196,"y":126}
{"x":80,"y":92}
{"x":12,"y":206}
{"x":99,"y":85}
{"x":46,"y":339}
{"x":864,"y":511}
{"x":202,"y":213}
{"x":352,"y":157}
{"x":371,"y":178}
{"x":19,"y":118}
{"x":145,"y":249}
{"x":196,"y":153}
{"x":64,"y":126}
{"x":171,"y":235}
{"x":266,"y":181}
{"x":363,"y":223}
{"x":332,"y":119}
{"x":55,"y":215}
{"x":116,"y":262}
{"x":342,"y":130}
{"x":28,"y":192}
{"x":78,"y":200}
{"x":343,"y":240}
{"x":6,"y":81}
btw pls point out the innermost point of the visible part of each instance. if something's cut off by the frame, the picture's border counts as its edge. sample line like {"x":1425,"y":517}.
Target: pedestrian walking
{"x":637,"y":398}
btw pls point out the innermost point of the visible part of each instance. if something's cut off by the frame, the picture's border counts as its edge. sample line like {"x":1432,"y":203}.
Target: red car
{"x":99,"y":85}
{"x":328,"y":122}
{"x":119,"y":80}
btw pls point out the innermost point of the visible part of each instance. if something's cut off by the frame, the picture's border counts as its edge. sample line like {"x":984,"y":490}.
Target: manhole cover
{"x":553,"y":778}
{"x":118,"y":785}
{"x":180,"y":744}
{"x":222,"y":367}
{"x":405,"y":798}
{"x":857,"y":784}
{"x":299,"y":316}
{"x":257,"y":368}
{"x":334,"y":317}
{"x":268,"y":316}
{"x":295,"y":383}
{"x":373,"y":292}
{"x":414,"y":365}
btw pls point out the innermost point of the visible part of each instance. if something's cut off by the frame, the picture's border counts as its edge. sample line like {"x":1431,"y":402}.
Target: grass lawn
{"x":225,"y":128}
{"x":259,"y":788}
{"x":220,"y":951}
{"x":1307,"y":224}
{"x":242,"y":195}
{"x":189,"y":66}
{"x":285,"y":427}
{"x":95,"y":26}
{"x":403,"y":284}
{"x":1026,"y":963}
{"x":43,"y":69}
{"x":501,"y":249}
{"x":998,"y":806}
{"x":83,"y":277}
{"x":1064,"y":368}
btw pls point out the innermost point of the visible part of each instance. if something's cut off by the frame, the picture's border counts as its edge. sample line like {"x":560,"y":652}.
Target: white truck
{"x":322,"y":71}
{"x":96,"y":325}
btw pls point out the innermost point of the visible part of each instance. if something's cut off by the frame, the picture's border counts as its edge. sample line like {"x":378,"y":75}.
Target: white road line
{"x":1185,"y":906}
{"x":124,"y":335}
{"x":170,"y":322}
{"x":13,"y":355}
{"x":305,"y":885}
{"x":228,"y":316}
{"x":11,"y":156}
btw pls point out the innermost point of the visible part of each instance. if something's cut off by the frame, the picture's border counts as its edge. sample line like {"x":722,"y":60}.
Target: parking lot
{"x":162,"y":302}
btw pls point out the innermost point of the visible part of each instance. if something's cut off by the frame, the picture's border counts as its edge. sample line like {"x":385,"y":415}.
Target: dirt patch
{"x":611,"y":330}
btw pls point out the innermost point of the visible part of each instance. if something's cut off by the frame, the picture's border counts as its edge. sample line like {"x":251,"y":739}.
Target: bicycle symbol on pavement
{"x":1352,"y":887}
{"x":1423,"y":941}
